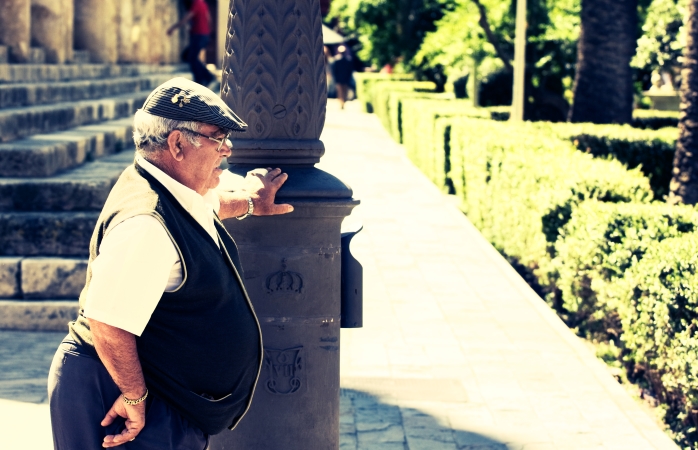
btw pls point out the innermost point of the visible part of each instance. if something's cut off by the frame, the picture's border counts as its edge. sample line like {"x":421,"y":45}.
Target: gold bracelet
{"x":136,"y":401}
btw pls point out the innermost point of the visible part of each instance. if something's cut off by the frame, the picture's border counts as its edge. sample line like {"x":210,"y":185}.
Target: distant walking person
{"x":199,"y":37}
{"x":342,"y":69}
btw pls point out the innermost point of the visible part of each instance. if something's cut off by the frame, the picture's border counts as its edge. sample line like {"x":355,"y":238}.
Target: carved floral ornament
{"x":275,"y":76}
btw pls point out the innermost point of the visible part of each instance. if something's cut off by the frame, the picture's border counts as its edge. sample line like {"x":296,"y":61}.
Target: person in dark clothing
{"x":199,"y":36}
{"x":166,"y":349}
{"x":342,"y":68}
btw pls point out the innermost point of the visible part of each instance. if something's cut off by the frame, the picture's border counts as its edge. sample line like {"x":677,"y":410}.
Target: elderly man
{"x":166,"y":349}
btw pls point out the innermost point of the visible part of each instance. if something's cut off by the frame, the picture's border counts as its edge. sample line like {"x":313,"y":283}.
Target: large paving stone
{"x":37,"y":315}
{"x":28,"y":94}
{"x":53,"y":278}
{"x":84,"y":188}
{"x":46,"y":233}
{"x":45,"y":154}
{"x":16,"y":123}
{"x":9,"y":277}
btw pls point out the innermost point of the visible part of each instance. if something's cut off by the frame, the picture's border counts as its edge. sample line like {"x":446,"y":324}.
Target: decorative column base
{"x":292,"y":272}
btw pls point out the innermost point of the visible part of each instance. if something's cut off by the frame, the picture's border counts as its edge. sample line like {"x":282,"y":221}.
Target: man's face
{"x":204,"y":165}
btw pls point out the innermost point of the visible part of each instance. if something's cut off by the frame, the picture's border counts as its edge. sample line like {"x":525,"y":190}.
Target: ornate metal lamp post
{"x":274,"y":78}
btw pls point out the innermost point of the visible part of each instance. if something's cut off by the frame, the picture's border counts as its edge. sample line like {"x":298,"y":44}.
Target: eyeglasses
{"x":226,"y":140}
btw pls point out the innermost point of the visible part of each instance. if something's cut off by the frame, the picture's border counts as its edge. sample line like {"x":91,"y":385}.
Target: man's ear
{"x":174,"y":145}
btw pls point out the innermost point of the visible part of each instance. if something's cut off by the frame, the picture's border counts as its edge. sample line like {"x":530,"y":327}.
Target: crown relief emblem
{"x":284,"y":281}
{"x":181,"y":98}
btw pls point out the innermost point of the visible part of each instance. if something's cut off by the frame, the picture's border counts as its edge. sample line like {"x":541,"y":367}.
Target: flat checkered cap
{"x":182,"y":99}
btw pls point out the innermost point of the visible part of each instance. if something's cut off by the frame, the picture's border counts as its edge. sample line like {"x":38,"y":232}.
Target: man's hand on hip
{"x":135,"y":421}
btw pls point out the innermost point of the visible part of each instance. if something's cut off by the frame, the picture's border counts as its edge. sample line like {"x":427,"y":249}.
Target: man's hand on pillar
{"x":260,"y":185}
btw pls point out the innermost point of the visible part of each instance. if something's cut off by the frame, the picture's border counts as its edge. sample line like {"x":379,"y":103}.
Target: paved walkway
{"x":456,"y":353}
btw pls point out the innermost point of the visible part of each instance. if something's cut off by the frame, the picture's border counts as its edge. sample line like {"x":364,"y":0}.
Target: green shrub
{"x":364,"y":82}
{"x":658,"y":300}
{"x":652,"y":119}
{"x":595,"y":249}
{"x":424,"y":129}
{"x":386,"y":101}
{"x":652,"y":151}
{"x":519,"y":186}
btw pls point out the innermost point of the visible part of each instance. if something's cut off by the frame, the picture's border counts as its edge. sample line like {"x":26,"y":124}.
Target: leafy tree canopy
{"x":460,"y":40}
{"x":390,"y":31}
{"x":663,"y":37}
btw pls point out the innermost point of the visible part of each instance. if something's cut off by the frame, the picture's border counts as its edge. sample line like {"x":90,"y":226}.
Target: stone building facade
{"x":94,"y":31}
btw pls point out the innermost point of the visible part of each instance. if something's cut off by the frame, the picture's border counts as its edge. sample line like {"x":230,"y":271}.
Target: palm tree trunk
{"x":684,"y":183}
{"x":603,"y":87}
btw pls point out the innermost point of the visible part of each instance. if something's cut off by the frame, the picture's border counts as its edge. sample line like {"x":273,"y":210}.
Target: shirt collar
{"x":187,"y":197}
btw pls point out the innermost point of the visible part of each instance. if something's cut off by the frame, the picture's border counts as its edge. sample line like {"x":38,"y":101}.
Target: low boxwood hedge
{"x":658,"y":307}
{"x":595,"y":249}
{"x":387,"y":97}
{"x":519,"y":186}
{"x":364,"y":82}
{"x":652,"y":151}
{"x":652,"y":119}
{"x":424,"y":132}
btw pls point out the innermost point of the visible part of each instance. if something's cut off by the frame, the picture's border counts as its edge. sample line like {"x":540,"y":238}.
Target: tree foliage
{"x":663,"y":38}
{"x":553,"y":27}
{"x":390,"y":31}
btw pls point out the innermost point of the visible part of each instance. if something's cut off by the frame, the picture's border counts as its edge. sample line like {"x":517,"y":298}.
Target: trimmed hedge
{"x":658,"y":299}
{"x":424,"y":133}
{"x":652,"y":151}
{"x":519,"y":186}
{"x":595,"y":249}
{"x":364,"y":82}
{"x":388,"y":95}
{"x":652,"y":119}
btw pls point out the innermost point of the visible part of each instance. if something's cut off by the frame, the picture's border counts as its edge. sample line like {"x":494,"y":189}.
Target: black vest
{"x":201,"y":351}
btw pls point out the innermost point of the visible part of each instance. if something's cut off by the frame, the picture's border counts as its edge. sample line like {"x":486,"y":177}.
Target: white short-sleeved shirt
{"x":137,"y":261}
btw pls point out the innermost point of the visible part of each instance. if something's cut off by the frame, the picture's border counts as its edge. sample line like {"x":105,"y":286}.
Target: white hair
{"x":150,"y":132}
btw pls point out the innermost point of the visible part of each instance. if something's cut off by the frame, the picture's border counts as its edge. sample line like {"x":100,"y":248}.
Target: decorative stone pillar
{"x":274,"y":79}
{"x":124,"y":45}
{"x":96,"y":29}
{"x":15,"y":19}
{"x":52,"y":29}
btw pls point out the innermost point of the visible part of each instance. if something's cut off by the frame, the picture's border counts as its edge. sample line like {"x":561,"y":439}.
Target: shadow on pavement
{"x":369,"y":423}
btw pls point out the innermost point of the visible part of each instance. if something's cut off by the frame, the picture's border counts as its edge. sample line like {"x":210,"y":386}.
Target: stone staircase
{"x":65,"y":137}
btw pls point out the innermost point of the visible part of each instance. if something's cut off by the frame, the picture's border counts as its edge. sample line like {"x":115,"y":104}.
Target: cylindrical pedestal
{"x":52,"y":29}
{"x":96,"y":29}
{"x":292,"y":272}
{"x":15,"y":28}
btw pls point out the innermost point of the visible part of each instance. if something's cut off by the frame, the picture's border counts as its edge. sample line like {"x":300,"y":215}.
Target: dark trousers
{"x":200,"y":72}
{"x":81,"y":392}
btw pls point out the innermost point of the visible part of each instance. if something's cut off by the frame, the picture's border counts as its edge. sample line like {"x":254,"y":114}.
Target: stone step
{"x":37,"y":315}
{"x":44,"y":155}
{"x":17,"y":123}
{"x":31,"y":94}
{"x":80,"y":57}
{"x":84,"y":188}
{"x":42,"y":277}
{"x":46,"y":73}
{"x":46,"y":233}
